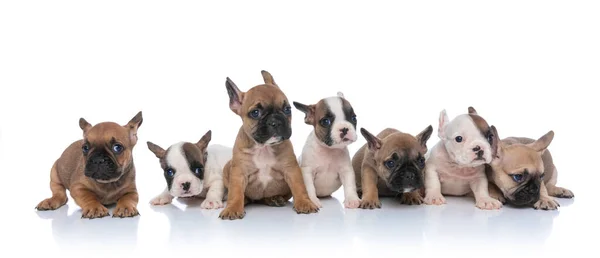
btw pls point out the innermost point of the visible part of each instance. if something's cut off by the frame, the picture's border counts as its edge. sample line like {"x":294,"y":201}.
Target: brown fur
{"x":240,"y":173}
{"x":370,"y":171}
{"x":67,"y":173}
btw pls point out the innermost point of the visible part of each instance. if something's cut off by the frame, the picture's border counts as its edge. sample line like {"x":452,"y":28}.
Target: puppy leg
{"x":307,"y":175}
{"x":91,"y":208}
{"x":126,"y":206}
{"x":546,"y":202}
{"x":214,"y":196}
{"x":59,"y":193}
{"x":302,"y":203}
{"x":496,"y":193}
{"x":348,"y":179}
{"x":433,"y":187}
{"x":163,"y":198}
{"x":236,"y":188}
{"x":370,"y":193}
{"x":483,"y":200}
{"x":559,"y":192}
{"x":412,"y":198}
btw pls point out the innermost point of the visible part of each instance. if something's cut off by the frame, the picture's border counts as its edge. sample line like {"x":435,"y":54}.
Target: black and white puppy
{"x":193,"y":169}
{"x":325,"y":160}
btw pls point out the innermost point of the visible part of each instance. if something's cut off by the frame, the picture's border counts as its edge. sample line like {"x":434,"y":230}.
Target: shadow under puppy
{"x":97,"y":170}
{"x":325,"y":160}
{"x":263,"y":167}
{"x":390,"y":164}
{"x":193,"y":169}
{"x":523,"y":173}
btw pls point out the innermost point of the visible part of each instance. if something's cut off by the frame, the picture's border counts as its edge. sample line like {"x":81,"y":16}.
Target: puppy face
{"x":265,"y":111}
{"x":399,"y":158}
{"x":183,"y":165}
{"x":467,"y":138}
{"x":518,"y":169}
{"x":107,"y":148}
{"x":333,"y":119}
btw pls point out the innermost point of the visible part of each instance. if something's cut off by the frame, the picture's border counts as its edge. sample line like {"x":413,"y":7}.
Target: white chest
{"x":264,"y":161}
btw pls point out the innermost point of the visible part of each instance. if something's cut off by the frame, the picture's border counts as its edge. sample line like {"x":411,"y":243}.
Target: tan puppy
{"x":523,"y":173}
{"x":390,"y":164}
{"x":97,"y":170}
{"x":264,"y":166}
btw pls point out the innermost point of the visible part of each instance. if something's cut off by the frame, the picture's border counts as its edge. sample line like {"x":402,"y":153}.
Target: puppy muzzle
{"x":101,"y":167}
{"x":405,"y":179}
{"x":273,"y":129}
{"x":528,"y":194}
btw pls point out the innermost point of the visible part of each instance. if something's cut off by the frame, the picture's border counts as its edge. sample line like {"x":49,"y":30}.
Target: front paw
{"x":230,"y":213}
{"x":305,"y":206}
{"x":211,"y":204}
{"x":352,"y":203}
{"x":488,"y":203}
{"x":564,"y":193}
{"x":546,"y":204}
{"x":94,"y":211}
{"x":316,"y":201}
{"x":50,"y":204}
{"x":434,"y":199}
{"x":161,"y":200}
{"x":370,"y":204}
{"x":125,"y":211}
{"x":411,"y":199}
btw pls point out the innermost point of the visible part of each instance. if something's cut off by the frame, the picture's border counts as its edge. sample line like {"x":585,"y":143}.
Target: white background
{"x":527,"y":66}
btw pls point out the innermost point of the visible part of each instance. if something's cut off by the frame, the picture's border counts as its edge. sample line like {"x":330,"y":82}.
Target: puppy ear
{"x":268,"y":78}
{"x":496,"y":144}
{"x":203,"y":142}
{"x":541,"y":144}
{"x":472,"y":111}
{"x":424,"y":135}
{"x":373,"y":142}
{"x":235,"y":96}
{"x":308,"y":110}
{"x":133,"y":126}
{"x":443,"y":121}
{"x":340,"y":94}
{"x":157,"y":150}
{"x":84,"y":125}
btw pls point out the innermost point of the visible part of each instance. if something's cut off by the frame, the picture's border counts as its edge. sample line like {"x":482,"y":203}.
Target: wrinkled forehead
{"x":107,"y":132}
{"x":471,"y":124}
{"x":265,"y":95}
{"x":518,"y":157}
{"x":332,"y":107}
{"x":404,"y":145}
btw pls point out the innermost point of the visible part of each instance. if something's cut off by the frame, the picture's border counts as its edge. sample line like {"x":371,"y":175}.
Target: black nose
{"x":186,"y":186}
{"x":477,"y":148}
{"x":480,"y":154}
{"x":344,"y":131}
{"x":99,"y":159}
{"x":273,"y":122}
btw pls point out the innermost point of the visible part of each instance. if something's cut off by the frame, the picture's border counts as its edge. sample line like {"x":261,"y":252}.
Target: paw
{"x":488,"y":203}
{"x":546,"y":204}
{"x":161,"y":200}
{"x":125,"y":211}
{"x":411,"y":199}
{"x":211,"y":204}
{"x":305,"y":206}
{"x":370,"y":204}
{"x":352,"y":203}
{"x":564,"y":193}
{"x":50,"y":204}
{"x":435,"y":199}
{"x":316,"y":201}
{"x":275,"y":201}
{"x":94,"y":211}
{"x":232,"y":214}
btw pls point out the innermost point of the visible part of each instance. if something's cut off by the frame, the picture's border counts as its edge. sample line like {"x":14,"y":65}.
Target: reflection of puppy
{"x":98,"y":170}
{"x":524,"y":174}
{"x":456,"y":164}
{"x":264,"y":166}
{"x":325,"y":159}
{"x":391,"y":163}
{"x":193,"y":170}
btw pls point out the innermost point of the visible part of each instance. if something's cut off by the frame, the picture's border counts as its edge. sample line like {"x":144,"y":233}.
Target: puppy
{"x":523,"y":173}
{"x":390,"y":164}
{"x":193,"y":169}
{"x":98,"y":170}
{"x":456,"y":164}
{"x":325,"y":160}
{"x":263,"y":167}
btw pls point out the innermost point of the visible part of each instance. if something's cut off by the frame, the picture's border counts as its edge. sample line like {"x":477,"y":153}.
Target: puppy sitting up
{"x":193,"y":169}
{"x":325,"y":160}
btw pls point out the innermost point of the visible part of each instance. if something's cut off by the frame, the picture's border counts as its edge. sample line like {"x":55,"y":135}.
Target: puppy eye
{"x":117,"y":148}
{"x":518,"y":178}
{"x":458,"y":139}
{"x":169,"y":172}
{"x":85,"y":148}
{"x":542,"y":175}
{"x":287,"y":110}
{"x":255,"y":113}
{"x":325,"y":122}
{"x":490,"y":138}
{"x":198,"y":170}
{"x":390,"y":164}
{"x":421,"y":162}
{"x":354,"y":118}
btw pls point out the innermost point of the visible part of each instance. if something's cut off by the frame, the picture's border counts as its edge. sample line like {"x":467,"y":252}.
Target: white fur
{"x":176,"y":159}
{"x":264,"y":159}
{"x":451,"y":168}
{"x":340,"y":122}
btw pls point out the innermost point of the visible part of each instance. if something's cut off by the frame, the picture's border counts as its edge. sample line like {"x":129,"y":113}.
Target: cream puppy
{"x":456,"y":164}
{"x":325,"y":160}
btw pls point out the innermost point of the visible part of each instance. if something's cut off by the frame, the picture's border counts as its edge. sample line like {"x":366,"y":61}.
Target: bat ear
{"x":235,"y":96}
{"x":84,"y":125}
{"x":373,"y":142}
{"x":541,"y":144}
{"x":133,"y":126}
{"x":268,"y":78}
{"x":424,"y":135}
{"x":157,"y":150}
{"x":308,"y":110}
{"x":204,"y":141}
{"x":443,"y":122}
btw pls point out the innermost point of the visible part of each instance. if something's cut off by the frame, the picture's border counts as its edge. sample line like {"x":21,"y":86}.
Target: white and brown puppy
{"x":325,"y":160}
{"x":523,"y":173}
{"x":193,"y":169}
{"x":456,"y":164}
{"x":263,"y":167}
{"x":391,"y":164}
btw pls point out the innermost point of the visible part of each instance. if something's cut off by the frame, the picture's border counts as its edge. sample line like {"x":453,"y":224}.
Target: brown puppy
{"x":97,"y":170}
{"x":523,"y":173}
{"x":264,"y":166}
{"x":390,"y":164}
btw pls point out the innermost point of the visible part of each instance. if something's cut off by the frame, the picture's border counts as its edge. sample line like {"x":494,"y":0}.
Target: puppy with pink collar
{"x":325,"y":160}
